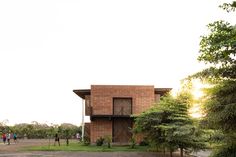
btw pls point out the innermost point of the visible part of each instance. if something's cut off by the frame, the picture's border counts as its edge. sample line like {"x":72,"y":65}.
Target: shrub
{"x":225,"y":151}
{"x":100,"y":141}
{"x":132,"y":142}
{"x":86,"y":141}
{"x":108,"y":140}
{"x":143,"y":143}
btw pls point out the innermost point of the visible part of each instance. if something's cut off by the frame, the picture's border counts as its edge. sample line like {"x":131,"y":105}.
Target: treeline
{"x":37,"y":130}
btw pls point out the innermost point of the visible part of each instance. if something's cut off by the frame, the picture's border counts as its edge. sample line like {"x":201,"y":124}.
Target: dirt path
{"x":15,"y":147}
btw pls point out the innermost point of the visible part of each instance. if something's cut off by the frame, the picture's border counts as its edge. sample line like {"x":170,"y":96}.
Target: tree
{"x":218,"y":50}
{"x":168,"y":124}
{"x":3,"y":126}
{"x":67,"y":131}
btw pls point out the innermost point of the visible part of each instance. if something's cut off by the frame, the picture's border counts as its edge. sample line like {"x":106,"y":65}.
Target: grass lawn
{"x":89,"y":148}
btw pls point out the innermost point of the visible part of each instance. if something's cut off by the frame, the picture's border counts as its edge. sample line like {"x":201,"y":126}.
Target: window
{"x":122,"y":106}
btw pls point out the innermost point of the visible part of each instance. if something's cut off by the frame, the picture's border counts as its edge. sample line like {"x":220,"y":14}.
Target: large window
{"x":122,"y":106}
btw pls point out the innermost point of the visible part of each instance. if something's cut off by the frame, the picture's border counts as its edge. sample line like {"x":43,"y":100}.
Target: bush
{"x":225,"y":151}
{"x":132,"y":142}
{"x":108,"y":140}
{"x":86,"y":141}
{"x":143,"y":143}
{"x":100,"y":141}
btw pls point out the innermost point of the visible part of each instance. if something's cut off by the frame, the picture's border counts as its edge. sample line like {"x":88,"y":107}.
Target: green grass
{"x":90,"y":148}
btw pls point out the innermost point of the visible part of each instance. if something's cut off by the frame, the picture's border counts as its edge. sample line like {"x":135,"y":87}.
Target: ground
{"x":15,"y":150}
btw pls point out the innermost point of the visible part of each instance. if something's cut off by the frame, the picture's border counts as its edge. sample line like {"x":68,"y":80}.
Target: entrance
{"x":121,"y":130}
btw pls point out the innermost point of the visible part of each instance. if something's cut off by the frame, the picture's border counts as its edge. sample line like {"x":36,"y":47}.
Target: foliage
{"x":218,"y":50}
{"x":229,"y":6}
{"x":220,"y":106}
{"x":108,"y":140}
{"x":3,"y":127}
{"x":225,"y":151}
{"x":37,"y":130}
{"x":67,"y":131}
{"x":33,"y":130}
{"x":86,"y":141}
{"x":132,"y":142}
{"x":168,"y":124}
{"x":100,"y":141}
{"x":144,"y":142}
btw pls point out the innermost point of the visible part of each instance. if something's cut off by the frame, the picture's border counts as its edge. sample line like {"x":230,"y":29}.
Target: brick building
{"x":110,"y":108}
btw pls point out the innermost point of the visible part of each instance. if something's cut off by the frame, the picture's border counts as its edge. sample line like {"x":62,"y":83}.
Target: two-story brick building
{"x":110,"y":108}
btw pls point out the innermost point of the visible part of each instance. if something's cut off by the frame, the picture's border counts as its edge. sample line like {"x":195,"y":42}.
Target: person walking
{"x":4,"y":138}
{"x":78,"y":137}
{"x":57,"y":139}
{"x":15,"y":137}
{"x":8,"y":138}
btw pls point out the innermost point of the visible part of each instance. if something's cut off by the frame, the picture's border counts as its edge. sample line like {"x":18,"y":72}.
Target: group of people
{"x":6,"y":137}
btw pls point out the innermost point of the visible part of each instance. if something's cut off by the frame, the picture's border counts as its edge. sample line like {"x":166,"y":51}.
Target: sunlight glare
{"x":197,"y":92}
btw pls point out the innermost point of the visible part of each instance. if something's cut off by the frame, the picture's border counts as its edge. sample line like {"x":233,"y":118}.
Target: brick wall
{"x":100,"y":128}
{"x":102,"y":104}
{"x":102,"y":98}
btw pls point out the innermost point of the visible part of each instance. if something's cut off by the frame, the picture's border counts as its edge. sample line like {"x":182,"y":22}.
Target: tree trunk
{"x":49,"y":143}
{"x":181,"y":152}
{"x":171,"y":153}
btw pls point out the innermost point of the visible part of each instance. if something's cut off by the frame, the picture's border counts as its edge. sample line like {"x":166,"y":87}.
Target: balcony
{"x":122,"y":108}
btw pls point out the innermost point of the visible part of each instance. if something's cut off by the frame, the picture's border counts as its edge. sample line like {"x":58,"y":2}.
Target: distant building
{"x":110,"y":108}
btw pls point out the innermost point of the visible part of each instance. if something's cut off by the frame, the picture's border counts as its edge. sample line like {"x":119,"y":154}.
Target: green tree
{"x":50,"y":132}
{"x":68,"y":131}
{"x":3,"y":126}
{"x":218,"y":51}
{"x":168,"y":124}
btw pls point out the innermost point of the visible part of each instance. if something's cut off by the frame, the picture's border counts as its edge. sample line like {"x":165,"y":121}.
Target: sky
{"x":50,"y":47}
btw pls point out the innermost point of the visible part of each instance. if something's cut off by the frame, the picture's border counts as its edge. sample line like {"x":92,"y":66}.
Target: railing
{"x":122,"y":111}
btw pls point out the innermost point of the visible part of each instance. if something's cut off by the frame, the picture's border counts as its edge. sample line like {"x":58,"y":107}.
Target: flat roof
{"x":162,"y":91}
{"x":82,"y":92}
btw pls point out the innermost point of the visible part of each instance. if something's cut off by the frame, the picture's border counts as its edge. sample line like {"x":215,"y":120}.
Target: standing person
{"x":57,"y":139}
{"x":78,"y":136}
{"x":8,"y":138}
{"x":4,"y":138}
{"x":15,"y":137}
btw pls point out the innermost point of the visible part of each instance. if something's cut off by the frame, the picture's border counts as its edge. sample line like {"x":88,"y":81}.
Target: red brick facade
{"x":99,"y":105}
{"x":102,"y":98}
{"x":100,"y":128}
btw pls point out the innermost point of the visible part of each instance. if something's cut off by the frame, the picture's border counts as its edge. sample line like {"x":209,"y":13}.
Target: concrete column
{"x":82,"y":119}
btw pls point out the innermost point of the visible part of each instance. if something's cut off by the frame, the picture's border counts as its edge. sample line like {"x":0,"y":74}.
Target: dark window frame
{"x":113,"y":108}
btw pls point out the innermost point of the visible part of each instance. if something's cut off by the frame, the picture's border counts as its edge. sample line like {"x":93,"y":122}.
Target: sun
{"x":195,"y":111}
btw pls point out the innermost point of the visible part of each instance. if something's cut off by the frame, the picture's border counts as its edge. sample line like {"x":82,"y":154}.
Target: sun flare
{"x":197,"y":86}
{"x":195,"y":111}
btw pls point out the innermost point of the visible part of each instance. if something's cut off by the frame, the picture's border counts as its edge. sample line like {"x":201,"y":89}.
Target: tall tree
{"x":169,"y":125}
{"x":218,"y":50}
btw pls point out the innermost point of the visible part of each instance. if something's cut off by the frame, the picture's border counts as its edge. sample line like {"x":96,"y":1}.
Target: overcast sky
{"x":50,"y":47}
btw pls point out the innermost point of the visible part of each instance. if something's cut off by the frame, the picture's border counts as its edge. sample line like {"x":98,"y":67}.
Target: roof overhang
{"x":162,"y":91}
{"x":82,"y":92}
